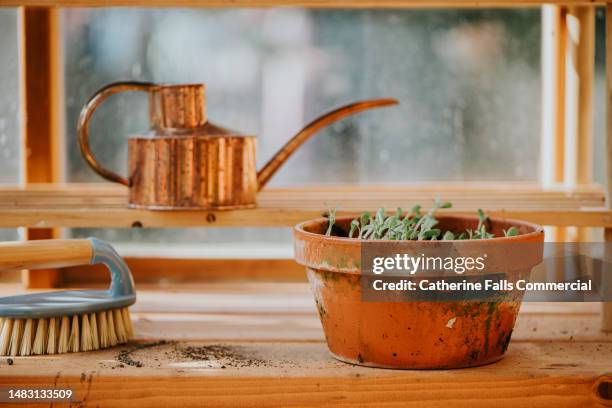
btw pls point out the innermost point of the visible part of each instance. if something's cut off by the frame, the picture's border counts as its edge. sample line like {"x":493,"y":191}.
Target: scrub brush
{"x":65,"y":321}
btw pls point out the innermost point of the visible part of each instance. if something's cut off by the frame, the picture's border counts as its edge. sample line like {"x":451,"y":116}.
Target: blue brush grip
{"x":121,"y":292}
{"x":122,"y":283}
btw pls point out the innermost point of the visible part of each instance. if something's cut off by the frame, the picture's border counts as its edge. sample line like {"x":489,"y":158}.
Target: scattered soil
{"x":227,"y":356}
{"x":125,"y":355}
{"x":218,"y":355}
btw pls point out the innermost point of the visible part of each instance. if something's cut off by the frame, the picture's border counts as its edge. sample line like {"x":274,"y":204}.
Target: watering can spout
{"x":266,"y":173}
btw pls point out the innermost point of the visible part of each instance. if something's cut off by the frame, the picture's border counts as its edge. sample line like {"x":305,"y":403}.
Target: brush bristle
{"x":40,"y":339}
{"x":53,"y":335}
{"x":16,"y":336}
{"x":112,"y":335}
{"x":66,"y":334}
{"x":5,"y":336}
{"x":103,"y":330}
{"x":25,"y":349}
{"x":74,"y":341}
{"x":85,"y":333}
{"x":119,"y":327}
{"x":95,"y":339}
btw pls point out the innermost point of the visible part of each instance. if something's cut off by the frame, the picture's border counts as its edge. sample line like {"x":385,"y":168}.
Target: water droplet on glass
{"x":136,"y":70}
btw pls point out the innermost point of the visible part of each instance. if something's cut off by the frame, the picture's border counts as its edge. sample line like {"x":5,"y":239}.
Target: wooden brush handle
{"x":48,"y":253}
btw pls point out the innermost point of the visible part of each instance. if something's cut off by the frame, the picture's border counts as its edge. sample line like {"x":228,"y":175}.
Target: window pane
{"x":9,"y":97}
{"x":9,"y":105}
{"x":468,"y":82}
{"x":599,"y":105}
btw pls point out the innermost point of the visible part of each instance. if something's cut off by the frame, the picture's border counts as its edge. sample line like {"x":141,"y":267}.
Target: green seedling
{"x":331,"y":221}
{"x":413,"y":226}
{"x":511,"y":232}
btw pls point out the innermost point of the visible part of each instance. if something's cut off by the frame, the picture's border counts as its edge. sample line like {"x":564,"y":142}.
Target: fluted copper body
{"x":192,"y":172}
{"x":177,"y":107}
{"x":185,"y":162}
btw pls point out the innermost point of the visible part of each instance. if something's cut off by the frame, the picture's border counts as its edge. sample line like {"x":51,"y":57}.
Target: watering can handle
{"x":266,"y":173}
{"x":86,"y":115}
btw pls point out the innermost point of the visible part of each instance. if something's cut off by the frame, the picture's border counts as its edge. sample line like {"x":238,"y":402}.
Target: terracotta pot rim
{"x":537,"y":231}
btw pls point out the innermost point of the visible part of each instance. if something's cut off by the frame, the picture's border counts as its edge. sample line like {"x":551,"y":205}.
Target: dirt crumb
{"x":210,"y":355}
{"x":125,"y":356}
{"x":226,"y":356}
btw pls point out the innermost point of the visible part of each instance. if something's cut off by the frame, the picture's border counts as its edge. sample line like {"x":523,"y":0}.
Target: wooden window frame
{"x":567,"y":133}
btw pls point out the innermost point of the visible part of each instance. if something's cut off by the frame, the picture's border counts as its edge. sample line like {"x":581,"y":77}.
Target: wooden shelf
{"x":556,"y":356}
{"x":299,"y":3}
{"x":105,"y":205}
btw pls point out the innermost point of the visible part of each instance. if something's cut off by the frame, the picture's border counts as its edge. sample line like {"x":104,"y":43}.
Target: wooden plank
{"x":459,"y":389}
{"x":582,"y":79}
{"x":302,"y":359}
{"x":553,"y":93}
{"x":105,"y":206}
{"x":41,"y":100}
{"x":105,"y":188}
{"x":272,"y":298}
{"x":271,"y":356}
{"x":606,"y":307}
{"x":231,"y":327}
{"x":277,"y":357}
{"x":606,"y":314}
{"x":261,"y":217}
{"x":299,"y":3}
{"x":222,"y":327}
{"x":101,"y":195}
{"x":172,"y":271}
{"x":579,"y":78}
{"x":41,"y":93}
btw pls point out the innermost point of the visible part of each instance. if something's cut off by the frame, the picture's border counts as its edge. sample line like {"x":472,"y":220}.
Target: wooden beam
{"x":173,"y":271}
{"x":585,"y":69}
{"x":568,"y":44}
{"x":103,"y":196}
{"x":553,"y":85}
{"x":283,"y":374}
{"x":552,"y":149}
{"x":606,"y":307}
{"x":606,"y":314}
{"x":579,"y":76}
{"x":262,"y":217}
{"x":105,"y":205}
{"x":41,"y":112}
{"x":578,"y":110}
{"x":299,"y":3}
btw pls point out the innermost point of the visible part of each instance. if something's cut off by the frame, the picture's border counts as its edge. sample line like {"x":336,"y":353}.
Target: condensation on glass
{"x":599,"y":95}
{"x":468,"y":82}
{"x":9,"y":105}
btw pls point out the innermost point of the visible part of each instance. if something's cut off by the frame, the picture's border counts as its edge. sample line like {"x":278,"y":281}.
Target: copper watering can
{"x":186,"y":162}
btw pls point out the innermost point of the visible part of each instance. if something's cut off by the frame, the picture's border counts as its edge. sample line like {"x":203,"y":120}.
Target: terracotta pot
{"x":411,"y":334}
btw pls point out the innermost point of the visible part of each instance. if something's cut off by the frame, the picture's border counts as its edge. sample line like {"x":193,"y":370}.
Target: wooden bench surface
{"x":261,"y":344}
{"x":105,"y":205}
